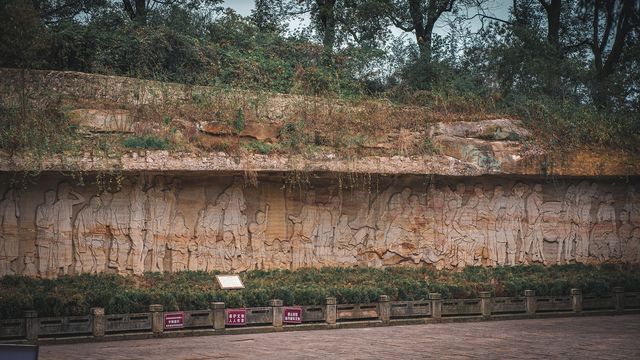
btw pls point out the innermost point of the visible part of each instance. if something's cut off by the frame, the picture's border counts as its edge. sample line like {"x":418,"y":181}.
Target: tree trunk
{"x":423,"y":38}
{"x":552,"y":85}
{"x":328,"y":23}
{"x":553,"y":21}
{"x":137,"y":10}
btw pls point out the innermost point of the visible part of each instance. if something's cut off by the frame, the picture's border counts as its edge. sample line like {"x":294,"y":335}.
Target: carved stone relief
{"x":152,"y":225}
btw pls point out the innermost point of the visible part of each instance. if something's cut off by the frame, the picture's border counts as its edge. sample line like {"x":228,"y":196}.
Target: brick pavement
{"x":596,"y":337}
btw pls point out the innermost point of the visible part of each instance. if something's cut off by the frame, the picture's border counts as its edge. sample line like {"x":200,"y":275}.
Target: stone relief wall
{"x":174,"y":223}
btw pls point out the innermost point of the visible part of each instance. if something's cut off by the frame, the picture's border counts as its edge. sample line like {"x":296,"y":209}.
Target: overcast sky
{"x":496,"y":8}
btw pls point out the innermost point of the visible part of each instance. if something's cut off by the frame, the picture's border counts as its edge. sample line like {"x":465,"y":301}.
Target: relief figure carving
{"x":139,"y":207}
{"x":533,"y":238}
{"x":604,"y":235}
{"x":235,"y":220}
{"x":63,"y":229}
{"x":257,"y":231}
{"x":90,"y":237}
{"x":586,"y":194}
{"x":515,"y":217}
{"x":497,"y":234}
{"x":308,"y":229}
{"x":118,"y":218}
{"x":179,"y":243}
{"x":9,"y":240}
{"x":45,"y":236}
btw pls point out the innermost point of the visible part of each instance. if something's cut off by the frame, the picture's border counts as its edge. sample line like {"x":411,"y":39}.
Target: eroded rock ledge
{"x":579,"y":164}
{"x":485,"y":193}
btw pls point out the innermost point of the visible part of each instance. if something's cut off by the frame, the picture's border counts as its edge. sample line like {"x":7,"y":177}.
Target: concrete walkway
{"x":594,"y":337}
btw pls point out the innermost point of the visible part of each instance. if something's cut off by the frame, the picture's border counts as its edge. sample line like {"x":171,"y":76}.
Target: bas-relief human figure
{"x":45,"y":236}
{"x":206,"y":233}
{"x":235,"y":219}
{"x":162,"y":209}
{"x":497,"y":237}
{"x":278,"y":254}
{"x":118,"y":219}
{"x":179,"y":243}
{"x":511,"y":229}
{"x":585,"y":196}
{"x":90,"y":237}
{"x":483,"y":226}
{"x":139,"y":212}
{"x":9,"y":240}
{"x":533,"y":238}
{"x":257,"y":231}
{"x":604,"y":235}
{"x":327,"y":221}
{"x":307,"y":220}
{"x":63,"y":229}
{"x":632,"y":205}
{"x":629,"y":237}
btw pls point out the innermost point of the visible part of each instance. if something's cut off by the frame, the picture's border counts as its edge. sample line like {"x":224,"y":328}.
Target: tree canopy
{"x":561,"y":55}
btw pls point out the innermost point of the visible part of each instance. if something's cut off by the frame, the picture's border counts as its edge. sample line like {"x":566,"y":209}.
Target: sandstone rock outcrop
{"x":484,"y":194}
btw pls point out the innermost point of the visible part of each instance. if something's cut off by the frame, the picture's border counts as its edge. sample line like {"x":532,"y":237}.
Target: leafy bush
{"x":191,"y":290}
{"x":259,"y":147}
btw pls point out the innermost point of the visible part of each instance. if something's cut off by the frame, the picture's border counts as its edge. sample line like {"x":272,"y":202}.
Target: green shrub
{"x":259,"y":147}
{"x":193,"y":290}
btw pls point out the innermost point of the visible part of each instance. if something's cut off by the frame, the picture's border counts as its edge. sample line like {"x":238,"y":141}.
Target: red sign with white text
{"x":236,"y":317}
{"x":174,"y":320}
{"x":292,"y":315}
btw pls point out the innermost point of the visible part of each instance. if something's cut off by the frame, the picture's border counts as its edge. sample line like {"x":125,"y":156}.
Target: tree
{"x":419,"y":17}
{"x":336,"y":22}
{"x":552,"y":10}
{"x":55,"y":11}
{"x":23,"y":36}
{"x":613,"y":22}
{"x":139,"y":10}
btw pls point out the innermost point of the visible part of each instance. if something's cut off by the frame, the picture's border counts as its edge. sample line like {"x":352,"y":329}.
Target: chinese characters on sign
{"x":174,"y":320}
{"x":292,"y":315}
{"x":236,"y":317}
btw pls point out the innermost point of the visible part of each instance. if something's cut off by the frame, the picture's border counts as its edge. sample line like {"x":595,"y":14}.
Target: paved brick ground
{"x":602,"y":337}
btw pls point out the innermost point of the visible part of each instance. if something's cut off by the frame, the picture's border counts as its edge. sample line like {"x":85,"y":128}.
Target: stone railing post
{"x":97,"y":322}
{"x":157,"y":321}
{"x":436,"y":305}
{"x":530,"y":302}
{"x":218,"y":315}
{"x":618,"y":298}
{"x":384,"y":307}
{"x":331,"y":312}
{"x":485,"y":304}
{"x":276,"y":310}
{"x":31,"y":325}
{"x":576,"y":300}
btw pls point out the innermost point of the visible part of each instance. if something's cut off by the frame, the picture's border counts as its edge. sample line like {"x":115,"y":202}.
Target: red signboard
{"x":174,"y":320}
{"x":236,"y":317}
{"x":292,"y":315}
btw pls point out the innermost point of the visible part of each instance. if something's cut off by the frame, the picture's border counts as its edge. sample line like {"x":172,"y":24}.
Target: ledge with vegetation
{"x":195,"y":290}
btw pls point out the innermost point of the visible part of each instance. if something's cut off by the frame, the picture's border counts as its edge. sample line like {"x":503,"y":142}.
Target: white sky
{"x":496,"y":8}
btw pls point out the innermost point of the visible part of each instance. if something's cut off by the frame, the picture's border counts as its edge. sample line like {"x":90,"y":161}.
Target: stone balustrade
{"x":99,"y":325}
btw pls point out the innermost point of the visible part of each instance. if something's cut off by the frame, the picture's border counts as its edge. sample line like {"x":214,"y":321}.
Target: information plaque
{"x":229,"y":282}
{"x":236,"y":317}
{"x":174,"y":320}
{"x":292,"y":315}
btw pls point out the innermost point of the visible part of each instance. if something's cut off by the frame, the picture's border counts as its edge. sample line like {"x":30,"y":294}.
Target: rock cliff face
{"x":485,"y":194}
{"x":166,"y":222}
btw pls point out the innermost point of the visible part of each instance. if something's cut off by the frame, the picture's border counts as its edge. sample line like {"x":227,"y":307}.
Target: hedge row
{"x":194,"y":290}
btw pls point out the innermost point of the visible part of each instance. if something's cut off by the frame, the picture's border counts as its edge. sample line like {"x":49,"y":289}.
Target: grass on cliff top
{"x":194,"y":290}
{"x":386,"y":125}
